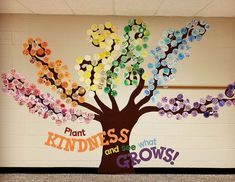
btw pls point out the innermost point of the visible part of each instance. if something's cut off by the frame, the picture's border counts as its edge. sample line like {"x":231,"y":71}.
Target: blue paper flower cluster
{"x":173,"y":47}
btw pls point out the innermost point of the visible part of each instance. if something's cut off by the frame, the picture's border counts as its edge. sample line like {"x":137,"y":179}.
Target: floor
{"x":112,"y":178}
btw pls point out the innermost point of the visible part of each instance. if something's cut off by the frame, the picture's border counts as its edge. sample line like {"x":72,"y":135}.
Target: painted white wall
{"x":201,"y":142}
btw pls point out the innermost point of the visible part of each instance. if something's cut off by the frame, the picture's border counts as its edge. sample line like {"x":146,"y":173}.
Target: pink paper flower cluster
{"x":41,"y":103}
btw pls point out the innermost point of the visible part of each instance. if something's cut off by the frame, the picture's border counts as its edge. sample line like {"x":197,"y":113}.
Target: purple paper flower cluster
{"x":41,"y":103}
{"x":207,"y":106}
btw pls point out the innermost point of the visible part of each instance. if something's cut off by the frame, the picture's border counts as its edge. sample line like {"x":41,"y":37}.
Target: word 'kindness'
{"x":90,"y":143}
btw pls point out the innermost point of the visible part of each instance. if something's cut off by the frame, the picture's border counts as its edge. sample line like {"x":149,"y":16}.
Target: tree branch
{"x":144,"y":100}
{"x":137,"y":91}
{"x":90,"y":107}
{"x":41,"y":103}
{"x":35,"y":58}
{"x":198,"y":108}
{"x":181,"y":107}
{"x":114,"y":103}
{"x":102,"y":106}
{"x":83,"y":104}
{"x":98,"y":118}
{"x":148,"y":109}
{"x":169,"y":50}
{"x":134,"y":31}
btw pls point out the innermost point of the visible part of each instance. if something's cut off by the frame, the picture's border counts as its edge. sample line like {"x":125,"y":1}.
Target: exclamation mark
{"x":176,"y":155}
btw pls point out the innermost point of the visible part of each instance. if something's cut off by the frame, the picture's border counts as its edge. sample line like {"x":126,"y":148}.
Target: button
{"x":194,"y":113}
{"x":161,"y":112}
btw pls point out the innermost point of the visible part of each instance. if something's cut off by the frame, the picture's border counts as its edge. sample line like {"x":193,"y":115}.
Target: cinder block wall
{"x":201,"y":142}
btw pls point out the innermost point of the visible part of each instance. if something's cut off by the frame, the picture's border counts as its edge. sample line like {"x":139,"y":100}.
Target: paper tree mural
{"x":120,"y":62}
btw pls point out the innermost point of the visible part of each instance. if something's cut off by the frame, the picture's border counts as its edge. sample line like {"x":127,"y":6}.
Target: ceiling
{"x":207,"y":8}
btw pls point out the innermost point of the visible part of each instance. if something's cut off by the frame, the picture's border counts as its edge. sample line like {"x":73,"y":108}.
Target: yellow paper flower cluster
{"x":92,"y":69}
